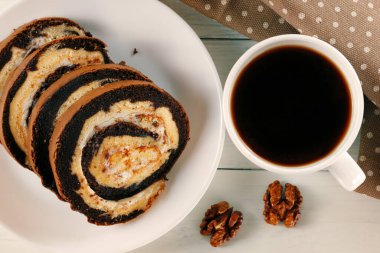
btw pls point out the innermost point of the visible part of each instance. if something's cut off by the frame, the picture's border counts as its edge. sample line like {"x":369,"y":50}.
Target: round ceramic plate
{"x":171,"y":54}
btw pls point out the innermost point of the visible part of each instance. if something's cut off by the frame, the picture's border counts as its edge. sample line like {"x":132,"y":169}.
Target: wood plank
{"x":225,"y":53}
{"x":332,"y":220}
{"x":202,"y":25}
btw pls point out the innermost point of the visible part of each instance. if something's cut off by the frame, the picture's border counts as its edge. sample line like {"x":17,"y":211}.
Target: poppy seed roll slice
{"x":27,"y":38}
{"x":37,"y":72}
{"x":56,"y":100}
{"x":114,"y":144}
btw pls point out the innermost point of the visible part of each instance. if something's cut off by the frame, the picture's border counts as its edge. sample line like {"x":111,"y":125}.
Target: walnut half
{"x":221,"y":222}
{"x":282,"y":207}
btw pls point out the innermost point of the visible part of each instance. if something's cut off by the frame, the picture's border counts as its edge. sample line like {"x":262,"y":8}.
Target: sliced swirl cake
{"x":56,"y":100}
{"x":111,"y":150}
{"x":30,"y":79}
{"x":31,"y":36}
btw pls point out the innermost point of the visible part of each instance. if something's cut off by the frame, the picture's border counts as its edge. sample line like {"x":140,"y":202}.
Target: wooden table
{"x":332,"y":219}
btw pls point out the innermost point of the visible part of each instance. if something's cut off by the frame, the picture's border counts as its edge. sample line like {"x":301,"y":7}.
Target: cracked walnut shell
{"x":221,"y":222}
{"x":281,"y":206}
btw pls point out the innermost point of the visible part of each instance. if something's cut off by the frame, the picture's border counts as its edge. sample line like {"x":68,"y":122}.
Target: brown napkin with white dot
{"x":352,"y":26}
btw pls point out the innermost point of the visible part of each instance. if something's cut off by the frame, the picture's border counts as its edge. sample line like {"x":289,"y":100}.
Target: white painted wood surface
{"x":332,"y":220}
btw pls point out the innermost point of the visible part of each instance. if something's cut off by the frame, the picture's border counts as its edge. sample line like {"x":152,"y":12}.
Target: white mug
{"x":338,"y":162}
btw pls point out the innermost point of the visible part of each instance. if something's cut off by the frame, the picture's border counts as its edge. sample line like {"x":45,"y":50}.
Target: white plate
{"x":172,"y":55}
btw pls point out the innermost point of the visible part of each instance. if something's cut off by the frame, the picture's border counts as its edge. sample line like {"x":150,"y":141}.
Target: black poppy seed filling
{"x":100,"y":219}
{"x":89,"y":44}
{"x":91,"y":149}
{"x":23,"y":39}
{"x":43,"y":126}
{"x":5,"y":56}
{"x":68,"y":140}
{"x":58,"y":73}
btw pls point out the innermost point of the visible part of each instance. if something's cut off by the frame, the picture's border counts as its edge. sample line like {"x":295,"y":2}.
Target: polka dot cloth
{"x":369,"y":158}
{"x":352,"y":26}
{"x":239,"y":15}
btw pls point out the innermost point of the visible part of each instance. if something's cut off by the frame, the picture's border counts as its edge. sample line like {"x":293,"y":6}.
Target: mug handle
{"x":347,"y":172}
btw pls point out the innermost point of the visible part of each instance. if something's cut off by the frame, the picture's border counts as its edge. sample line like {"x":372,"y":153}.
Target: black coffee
{"x":291,"y":105}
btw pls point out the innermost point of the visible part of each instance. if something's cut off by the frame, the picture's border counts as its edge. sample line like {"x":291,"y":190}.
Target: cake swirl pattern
{"x":101,"y":136}
{"x":31,"y":36}
{"x":37,"y":72}
{"x":56,"y":100}
{"x":114,"y":144}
